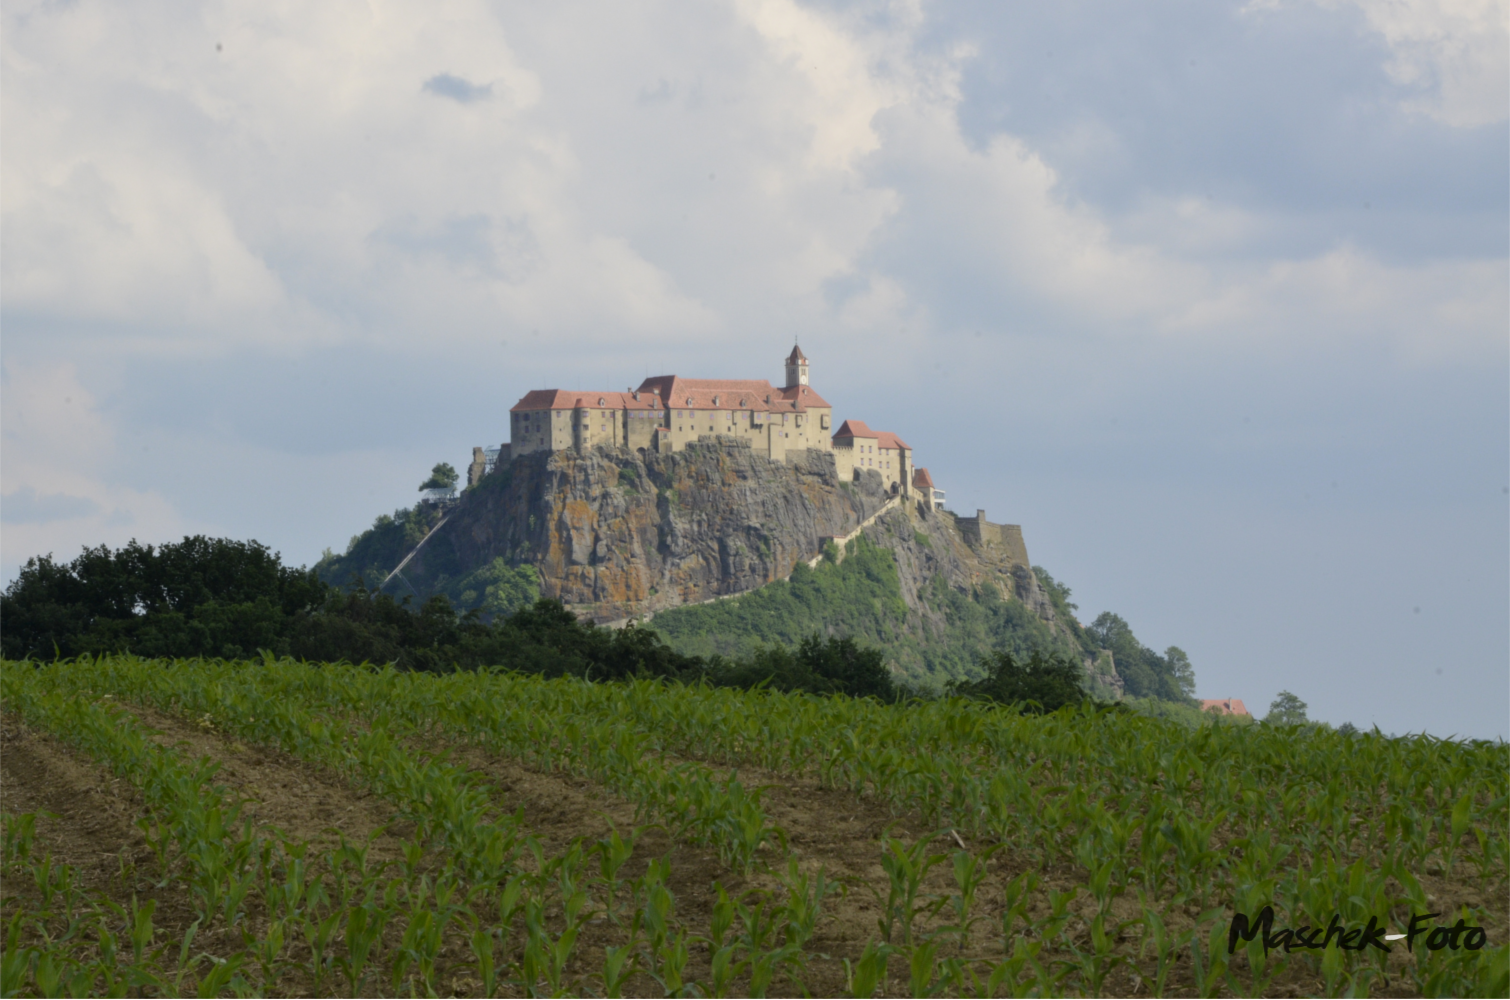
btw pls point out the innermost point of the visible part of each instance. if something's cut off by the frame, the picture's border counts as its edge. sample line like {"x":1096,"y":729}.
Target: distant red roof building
{"x":854,"y":429}
{"x":562,"y":399}
{"x":732,"y":394}
{"x":1224,"y":706}
{"x":668,"y":413}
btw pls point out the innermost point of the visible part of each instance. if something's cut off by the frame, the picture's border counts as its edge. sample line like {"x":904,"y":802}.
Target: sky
{"x":1211,"y":298}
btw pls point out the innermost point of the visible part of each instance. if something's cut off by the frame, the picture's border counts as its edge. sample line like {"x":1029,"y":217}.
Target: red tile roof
{"x":732,"y":394}
{"x":858,"y":429}
{"x":854,"y":429}
{"x":1227,"y":706}
{"x":922,"y":480}
{"x":563,"y":399}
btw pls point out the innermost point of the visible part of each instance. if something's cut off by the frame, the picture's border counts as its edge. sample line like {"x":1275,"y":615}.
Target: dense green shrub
{"x":819,"y":665}
{"x":1040,"y":683}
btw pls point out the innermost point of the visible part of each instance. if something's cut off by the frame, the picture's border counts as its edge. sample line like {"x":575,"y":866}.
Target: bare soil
{"x":92,"y":817}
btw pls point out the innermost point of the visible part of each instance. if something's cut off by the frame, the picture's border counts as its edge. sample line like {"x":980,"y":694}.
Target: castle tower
{"x":796,"y":368}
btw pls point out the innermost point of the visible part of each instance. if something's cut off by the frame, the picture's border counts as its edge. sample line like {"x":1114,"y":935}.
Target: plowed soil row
{"x":87,"y":816}
{"x":827,"y":830}
{"x":835,"y":831}
{"x":842,"y":833}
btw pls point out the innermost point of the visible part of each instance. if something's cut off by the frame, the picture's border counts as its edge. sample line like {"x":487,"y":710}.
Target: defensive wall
{"x":1004,"y":540}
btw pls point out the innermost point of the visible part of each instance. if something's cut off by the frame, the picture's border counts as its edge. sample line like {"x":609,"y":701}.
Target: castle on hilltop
{"x":668,"y":412}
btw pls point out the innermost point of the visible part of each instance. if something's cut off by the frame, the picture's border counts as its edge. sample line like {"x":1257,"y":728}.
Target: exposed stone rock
{"x":942,"y":550}
{"x":616,"y":533}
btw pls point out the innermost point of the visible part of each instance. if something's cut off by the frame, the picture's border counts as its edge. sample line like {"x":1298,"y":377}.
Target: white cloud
{"x":1457,"y":51}
{"x":279,"y":176}
{"x":54,"y":469}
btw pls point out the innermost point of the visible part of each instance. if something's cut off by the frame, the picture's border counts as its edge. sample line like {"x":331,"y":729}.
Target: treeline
{"x":223,"y":598}
{"x":1145,"y":674}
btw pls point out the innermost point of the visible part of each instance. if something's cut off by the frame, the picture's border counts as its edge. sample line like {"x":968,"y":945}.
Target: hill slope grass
{"x":862,"y":597}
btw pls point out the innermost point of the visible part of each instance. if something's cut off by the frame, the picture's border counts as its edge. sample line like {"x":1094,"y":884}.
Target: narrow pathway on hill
{"x":839,"y":542}
{"x":428,"y":535}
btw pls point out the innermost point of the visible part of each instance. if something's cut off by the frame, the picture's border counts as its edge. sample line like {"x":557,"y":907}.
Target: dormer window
{"x":601,"y":401}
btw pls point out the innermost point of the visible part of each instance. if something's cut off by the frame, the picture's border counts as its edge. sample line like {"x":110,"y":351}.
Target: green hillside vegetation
{"x":1147,"y":674}
{"x":225,"y":599}
{"x":494,"y":589}
{"x":862,"y":597}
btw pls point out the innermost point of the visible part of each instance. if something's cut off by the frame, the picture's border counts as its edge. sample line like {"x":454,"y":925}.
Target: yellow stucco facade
{"x":667,"y":413}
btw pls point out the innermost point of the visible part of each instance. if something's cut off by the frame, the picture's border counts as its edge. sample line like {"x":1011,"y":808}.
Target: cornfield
{"x":272,"y":827}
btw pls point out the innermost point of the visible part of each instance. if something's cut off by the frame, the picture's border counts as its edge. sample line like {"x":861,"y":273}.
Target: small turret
{"x":796,"y":368}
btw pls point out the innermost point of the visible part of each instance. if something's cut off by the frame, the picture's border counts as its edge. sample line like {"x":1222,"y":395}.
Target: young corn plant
{"x":905,"y":868}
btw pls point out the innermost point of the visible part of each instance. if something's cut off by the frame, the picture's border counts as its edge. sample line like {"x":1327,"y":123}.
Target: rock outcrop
{"x":615,"y":533}
{"x":928,"y":544}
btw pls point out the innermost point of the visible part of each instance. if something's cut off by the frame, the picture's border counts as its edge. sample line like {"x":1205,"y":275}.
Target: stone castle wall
{"x":1004,"y":540}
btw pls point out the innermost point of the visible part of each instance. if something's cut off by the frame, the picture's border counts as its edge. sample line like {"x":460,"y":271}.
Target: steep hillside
{"x":714,"y":544}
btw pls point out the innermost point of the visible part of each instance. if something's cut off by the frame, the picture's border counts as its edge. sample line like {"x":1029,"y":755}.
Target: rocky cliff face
{"x":942,"y":551}
{"x":615,"y":533}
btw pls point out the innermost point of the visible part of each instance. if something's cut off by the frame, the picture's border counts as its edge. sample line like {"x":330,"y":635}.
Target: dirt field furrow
{"x":86,"y":820}
{"x":92,"y":821}
{"x":303,"y":801}
{"x":829,"y":830}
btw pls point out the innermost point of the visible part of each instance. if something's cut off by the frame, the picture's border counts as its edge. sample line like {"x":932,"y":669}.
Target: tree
{"x":1184,"y":672}
{"x":847,"y":667}
{"x":199,"y":597}
{"x":442,"y":477}
{"x":819,"y":665}
{"x":1111,"y":631}
{"x":1287,"y":710}
{"x":1041,"y":683}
